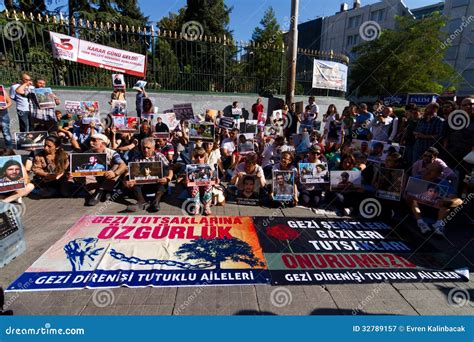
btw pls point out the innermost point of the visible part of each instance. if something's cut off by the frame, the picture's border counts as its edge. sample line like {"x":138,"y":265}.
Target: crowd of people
{"x":320,"y":159}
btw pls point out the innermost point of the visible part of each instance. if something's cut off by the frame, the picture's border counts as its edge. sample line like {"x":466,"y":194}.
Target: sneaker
{"x":154,"y":207}
{"x":138,"y":206}
{"x":424,"y":227}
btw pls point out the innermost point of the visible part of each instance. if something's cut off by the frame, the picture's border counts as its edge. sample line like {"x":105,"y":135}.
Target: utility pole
{"x":292,"y":53}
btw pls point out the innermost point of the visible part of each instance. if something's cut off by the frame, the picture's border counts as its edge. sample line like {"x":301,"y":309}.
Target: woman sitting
{"x":51,"y":169}
{"x":201,"y":195}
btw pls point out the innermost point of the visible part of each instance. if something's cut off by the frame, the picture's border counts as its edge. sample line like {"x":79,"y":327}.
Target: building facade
{"x":460,"y":42}
{"x":342,"y":31}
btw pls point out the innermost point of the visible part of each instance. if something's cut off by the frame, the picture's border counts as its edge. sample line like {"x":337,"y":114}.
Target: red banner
{"x":101,"y":56}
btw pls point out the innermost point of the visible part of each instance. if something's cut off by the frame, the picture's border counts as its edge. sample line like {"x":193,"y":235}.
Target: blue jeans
{"x":24,"y":120}
{"x":5,"y":121}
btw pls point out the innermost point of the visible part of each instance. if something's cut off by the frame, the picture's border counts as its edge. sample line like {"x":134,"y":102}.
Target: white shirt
{"x":229,"y":145}
{"x":22,"y":102}
{"x":380,"y":130}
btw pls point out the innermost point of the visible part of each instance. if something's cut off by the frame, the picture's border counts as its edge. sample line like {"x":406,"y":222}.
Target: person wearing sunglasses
{"x":200,"y":195}
{"x":431,"y":157}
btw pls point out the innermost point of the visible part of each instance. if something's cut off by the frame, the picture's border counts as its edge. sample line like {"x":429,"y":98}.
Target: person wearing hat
{"x":96,"y":186}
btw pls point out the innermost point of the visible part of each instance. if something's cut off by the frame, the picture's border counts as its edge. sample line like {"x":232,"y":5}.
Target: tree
{"x":212,"y":15}
{"x":266,"y":60}
{"x":409,"y":59}
{"x":217,"y":251}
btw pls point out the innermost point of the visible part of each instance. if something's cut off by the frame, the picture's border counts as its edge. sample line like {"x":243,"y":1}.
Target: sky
{"x":247,"y":14}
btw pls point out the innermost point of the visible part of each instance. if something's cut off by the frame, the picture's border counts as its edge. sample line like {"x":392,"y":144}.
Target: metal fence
{"x":175,"y":61}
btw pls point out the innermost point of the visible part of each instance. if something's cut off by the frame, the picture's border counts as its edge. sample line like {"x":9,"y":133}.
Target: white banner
{"x":329,"y":75}
{"x":101,"y":56}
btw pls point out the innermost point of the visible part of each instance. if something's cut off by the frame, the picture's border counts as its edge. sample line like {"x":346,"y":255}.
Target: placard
{"x":201,"y":131}
{"x":389,"y":184}
{"x":118,"y":81}
{"x":248,"y":190}
{"x":283,"y":185}
{"x":345,"y":181}
{"x":145,"y":172}
{"x":313,"y":173}
{"x":140,"y":85}
{"x":226,"y":123}
{"x":427,"y":193}
{"x":119,"y":108}
{"x":12,"y":176}
{"x":30,"y":141}
{"x":249,"y":126}
{"x":88,"y":164}
{"x":45,"y":98}
{"x":3,"y":98}
{"x":200,"y":175}
{"x":125,"y":124}
{"x":184,"y":111}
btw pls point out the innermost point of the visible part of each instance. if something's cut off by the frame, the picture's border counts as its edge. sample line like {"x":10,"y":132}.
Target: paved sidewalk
{"x":46,"y":221}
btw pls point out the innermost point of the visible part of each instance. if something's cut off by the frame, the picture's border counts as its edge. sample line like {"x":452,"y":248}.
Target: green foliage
{"x":267,"y":63}
{"x":213,"y":15}
{"x":409,"y":59}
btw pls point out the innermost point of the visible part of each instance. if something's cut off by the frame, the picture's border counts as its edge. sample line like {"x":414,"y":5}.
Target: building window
{"x":470,"y":52}
{"x":458,"y":3}
{"x":468,"y":76}
{"x":454,"y":25}
{"x":352,"y":40}
{"x":354,"y":21}
{"x":378,"y":15}
{"x":451,"y":53}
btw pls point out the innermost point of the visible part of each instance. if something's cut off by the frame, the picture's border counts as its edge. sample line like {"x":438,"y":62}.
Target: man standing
{"x":382,"y":124}
{"x":362,"y":122}
{"x":459,"y":142}
{"x":22,"y":103}
{"x":429,"y":131}
{"x":312,"y":107}
{"x":43,"y":119}
{"x":5,"y":121}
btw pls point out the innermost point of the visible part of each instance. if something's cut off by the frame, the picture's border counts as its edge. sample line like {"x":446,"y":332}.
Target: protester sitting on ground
{"x":17,"y":195}
{"x":164,"y":147}
{"x":65,"y":125}
{"x":123,"y":143}
{"x":214,"y":155}
{"x":51,"y":170}
{"x":249,"y":167}
{"x":431,"y":157}
{"x":200,"y":195}
{"x":97,"y":186}
{"x":433,"y":173}
{"x":270,"y":154}
{"x":147,"y":153}
{"x":286,"y":164}
{"x":228,"y":146}
{"x":311,"y":194}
